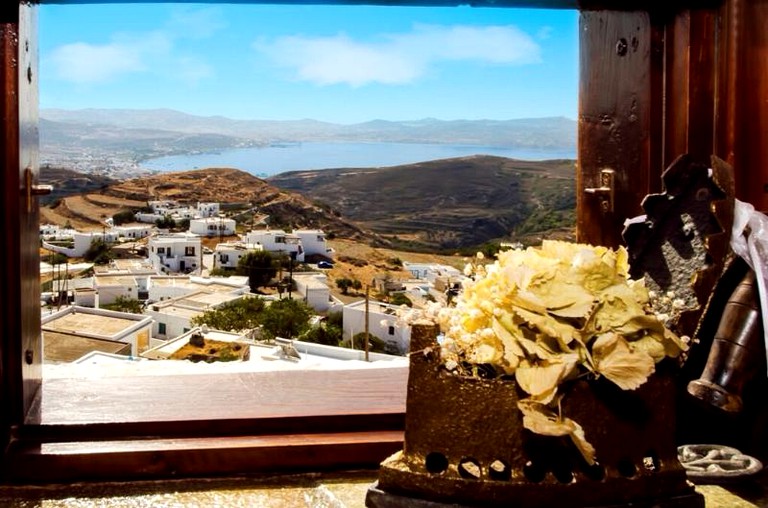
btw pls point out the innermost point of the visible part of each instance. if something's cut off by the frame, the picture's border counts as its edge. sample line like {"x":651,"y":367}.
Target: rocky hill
{"x":67,"y":182}
{"x":227,"y":186}
{"x":451,"y":203}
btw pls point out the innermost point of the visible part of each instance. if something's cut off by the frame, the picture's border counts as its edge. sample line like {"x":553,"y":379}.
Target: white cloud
{"x":398,"y":58}
{"x":90,"y":63}
{"x":156,"y":52}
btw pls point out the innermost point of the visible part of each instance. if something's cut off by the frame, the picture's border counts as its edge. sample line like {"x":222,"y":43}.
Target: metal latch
{"x":605,"y":193}
{"x":34,"y":189}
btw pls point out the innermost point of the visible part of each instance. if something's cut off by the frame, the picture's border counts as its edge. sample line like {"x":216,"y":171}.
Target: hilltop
{"x":451,"y":203}
{"x":232,"y":187}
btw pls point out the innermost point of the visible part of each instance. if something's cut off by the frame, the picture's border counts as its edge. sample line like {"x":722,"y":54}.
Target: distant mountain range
{"x":156,"y":132}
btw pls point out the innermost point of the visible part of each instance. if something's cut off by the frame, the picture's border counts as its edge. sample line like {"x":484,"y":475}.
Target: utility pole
{"x":367,"y":298}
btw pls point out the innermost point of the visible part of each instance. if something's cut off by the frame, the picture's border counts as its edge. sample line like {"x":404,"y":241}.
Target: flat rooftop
{"x":90,"y":324}
{"x":115,"y":280}
{"x":65,"y":347}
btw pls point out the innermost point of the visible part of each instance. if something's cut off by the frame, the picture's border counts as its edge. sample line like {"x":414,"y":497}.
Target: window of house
{"x":391,"y":330}
{"x":161,"y":328}
{"x":189,"y":251}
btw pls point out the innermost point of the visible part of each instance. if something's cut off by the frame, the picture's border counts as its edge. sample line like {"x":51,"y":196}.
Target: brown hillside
{"x":449,"y":204}
{"x":226,"y":186}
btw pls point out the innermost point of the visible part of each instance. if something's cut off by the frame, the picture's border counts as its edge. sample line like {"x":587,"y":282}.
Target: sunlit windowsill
{"x":176,"y":419}
{"x":177,"y":390}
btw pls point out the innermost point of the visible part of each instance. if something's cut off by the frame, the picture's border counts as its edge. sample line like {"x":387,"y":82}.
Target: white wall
{"x":175,"y":325}
{"x":379,"y":324}
{"x":212,"y":227}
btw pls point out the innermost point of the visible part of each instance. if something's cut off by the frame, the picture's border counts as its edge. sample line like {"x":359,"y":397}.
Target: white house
{"x":109,"y":287}
{"x":134,"y":232}
{"x":313,"y":288}
{"x":82,"y":242}
{"x":208,"y":209}
{"x":228,"y":254}
{"x":432,"y":271}
{"x":55,"y":232}
{"x":382,"y":323}
{"x":162,"y":287}
{"x":175,"y":253}
{"x":148,"y":217}
{"x":75,"y":328}
{"x":212,"y":226}
{"x":313,"y":242}
{"x":174,"y":317}
{"x":277,"y":241}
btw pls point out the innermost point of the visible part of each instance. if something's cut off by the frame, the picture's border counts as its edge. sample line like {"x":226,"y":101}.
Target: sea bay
{"x":279,"y":158}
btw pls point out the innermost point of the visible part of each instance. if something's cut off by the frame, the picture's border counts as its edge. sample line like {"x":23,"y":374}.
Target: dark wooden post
{"x":615,"y":118}
{"x":20,"y":346}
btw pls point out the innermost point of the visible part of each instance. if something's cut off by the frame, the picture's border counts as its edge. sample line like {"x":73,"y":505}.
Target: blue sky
{"x":330,"y":63}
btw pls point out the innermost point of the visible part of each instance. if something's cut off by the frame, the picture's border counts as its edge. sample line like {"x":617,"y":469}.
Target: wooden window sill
{"x":121,"y":427}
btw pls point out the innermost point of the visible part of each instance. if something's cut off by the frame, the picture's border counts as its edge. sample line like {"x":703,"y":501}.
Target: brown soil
{"x":211,"y":351}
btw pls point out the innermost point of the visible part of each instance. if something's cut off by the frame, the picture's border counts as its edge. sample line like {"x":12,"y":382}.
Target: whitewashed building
{"x":163,"y":287}
{"x":111,"y":286}
{"x":174,"y":317}
{"x":313,"y":289}
{"x":212,"y":226}
{"x":77,"y":327}
{"x":313,"y":242}
{"x":228,"y":254}
{"x":208,"y":210}
{"x":175,"y":253}
{"x":82,"y":242}
{"x":382,"y":323}
{"x":55,"y":232}
{"x":277,"y":241}
{"x":432,"y":271}
{"x":134,"y":232}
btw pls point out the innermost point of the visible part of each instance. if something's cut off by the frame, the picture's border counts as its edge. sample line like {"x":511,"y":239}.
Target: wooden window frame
{"x":676,"y":90}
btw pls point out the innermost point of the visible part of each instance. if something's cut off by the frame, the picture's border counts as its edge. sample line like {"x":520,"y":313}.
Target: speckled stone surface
{"x":340,"y":490}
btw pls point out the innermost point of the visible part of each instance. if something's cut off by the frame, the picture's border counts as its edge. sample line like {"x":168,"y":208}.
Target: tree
{"x":327,"y":334}
{"x":285,"y":318}
{"x":123,"y":217}
{"x":400,"y":299}
{"x":259,"y":266}
{"x":99,"y":253}
{"x":344,"y":284}
{"x":242,"y":314}
{"x":125,"y":304}
{"x":166,"y":222}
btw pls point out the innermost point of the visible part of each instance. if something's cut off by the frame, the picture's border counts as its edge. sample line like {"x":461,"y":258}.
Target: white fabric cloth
{"x":752,"y":247}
